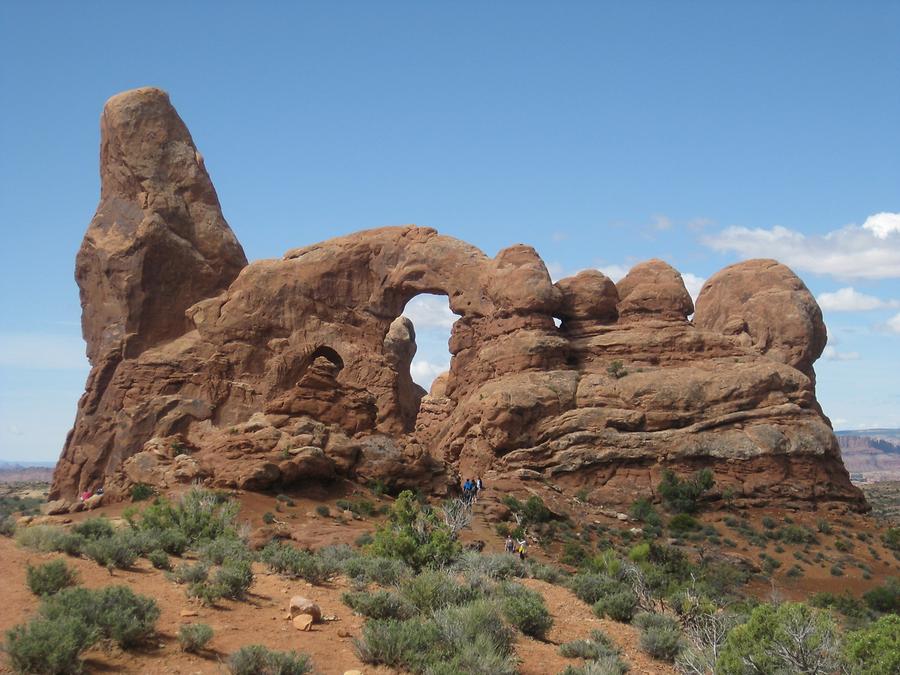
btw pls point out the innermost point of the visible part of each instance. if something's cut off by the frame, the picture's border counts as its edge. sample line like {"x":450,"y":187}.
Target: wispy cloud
{"x":869,"y":251}
{"x":893,"y":324}
{"x":614,"y":272}
{"x":423,"y":371}
{"x":693,"y":284}
{"x":661,"y":222}
{"x":832,"y":354}
{"x":429,"y":311}
{"x":41,"y":351}
{"x":850,"y":300}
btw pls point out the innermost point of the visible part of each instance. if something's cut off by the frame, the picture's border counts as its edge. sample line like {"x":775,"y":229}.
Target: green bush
{"x":891,"y":538}
{"x":188,"y":573}
{"x":47,"y":538}
{"x":257,"y":660}
{"x":605,"y":665}
{"x":293,"y":563}
{"x":788,"y":638}
{"x":875,"y":650}
{"x":619,"y":605}
{"x":49,"y":647}
{"x":643,"y":510}
{"x":268,"y":517}
{"x":885,"y":598}
{"x":171,"y":540}
{"x":415,"y":535}
{"x":115,"y":551}
{"x":193,"y":637}
{"x":234,"y":579}
{"x":660,"y":636}
{"x":683,"y":523}
{"x":159,"y":559}
{"x":94,"y":528}
{"x":323,"y":510}
{"x":116,"y":612}
{"x":597,"y":646}
{"x":7,"y":526}
{"x":378,"y":605}
{"x":683,"y":495}
{"x":462,"y":625}
{"x":410,"y":644}
{"x":218,"y":551}
{"x":591,"y":587}
{"x":525,"y":609}
{"x":200,"y":516}
{"x":479,"y":657}
{"x":50,"y":577}
{"x":434,"y":589}
{"x":140,"y":492}
{"x":205,"y":592}
{"x":383,"y":571}
{"x":495,"y":566}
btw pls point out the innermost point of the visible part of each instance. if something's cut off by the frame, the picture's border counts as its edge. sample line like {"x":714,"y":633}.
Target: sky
{"x":601,"y":133}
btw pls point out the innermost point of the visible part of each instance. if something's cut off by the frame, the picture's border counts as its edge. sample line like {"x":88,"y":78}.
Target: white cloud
{"x":870,"y":251}
{"x":893,"y":324}
{"x":556,"y":271}
{"x":559,"y":236}
{"x":42,"y":351}
{"x":693,"y":284}
{"x":850,"y":300}
{"x":614,"y":272}
{"x":423,"y":372}
{"x":832,"y":354}
{"x":661,"y":222}
{"x":882,"y":225}
{"x":429,"y":311}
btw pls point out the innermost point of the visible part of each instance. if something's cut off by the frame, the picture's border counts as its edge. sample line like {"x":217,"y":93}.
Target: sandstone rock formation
{"x":280,"y":371}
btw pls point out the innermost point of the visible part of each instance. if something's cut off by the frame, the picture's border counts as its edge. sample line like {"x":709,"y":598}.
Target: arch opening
{"x":433,"y":322}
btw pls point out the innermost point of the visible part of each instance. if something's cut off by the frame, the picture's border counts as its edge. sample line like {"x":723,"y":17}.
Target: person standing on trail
{"x":510,"y":544}
{"x":479,"y":485}
{"x":522,"y":549}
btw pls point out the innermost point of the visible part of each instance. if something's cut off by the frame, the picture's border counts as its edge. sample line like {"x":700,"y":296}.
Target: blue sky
{"x":600,"y":133}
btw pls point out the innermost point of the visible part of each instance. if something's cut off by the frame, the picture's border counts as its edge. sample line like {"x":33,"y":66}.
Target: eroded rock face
{"x":298,"y":369}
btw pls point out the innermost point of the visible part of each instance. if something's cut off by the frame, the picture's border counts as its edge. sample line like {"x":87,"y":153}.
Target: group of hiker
{"x":471,"y":489}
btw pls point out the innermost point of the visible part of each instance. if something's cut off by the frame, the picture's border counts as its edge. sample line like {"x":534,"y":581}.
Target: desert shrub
{"x":323,"y":510}
{"x":536,"y":511}
{"x":824,"y":526}
{"x":844,"y":603}
{"x":115,"y":551}
{"x":415,"y":535}
{"x":383,"y":571}
{"x":795,"y":534}
{"x":234,"y":579}
{"x":94,"y":528}
{"x":525,"y":609}
{"x":885,"y":598}
{"x":410,"y":644}
{"x":875,"y":650}
{"x":434,"y":589}
{"x":791,"y":637}
{"x":378,"y":605}
{"x":769,"y":523}
{"x":891,"y":538}
{"x":50,"y":577}
{"x":683,"y":523}
{"x":7,"y":526}
{"x":597,"y":647}
{"x":49,"y":647}
{"x":47,"y":538}
{"x":837,"y":570}
{"x":189,"y":573}
{"x":640,"y":552}
{"x":293,"y":563}
{"x":268,"y":517}
{"x":843,"y":545}
{"x":548,"y":573}
{"x":257,"y":660}
{"x":683,"y":495}
{"x":617,"y":369}
{"x":619,"y":605}
{"x":200,"y":515}
{"x":206,"y":593}
{"x":643,"y":510}
{"x":462,"y":625}
{"x":171,"y":540}
{"x":116,"y":612}
{"x":159,"y":559}
{"x":496,"y":566}
{"x":364,"y":539}
{"x":193,"y":637}
{"x":284,"y":499}
{"x":481,"y":656}
{"x":607,"y":562}
{"x":140,"y":492}
{"x":218,"y":551}
{"x":610,"y":664}
{"x":660,"y":636}
{"x":591,"y":587}
{"x":573,"y":554}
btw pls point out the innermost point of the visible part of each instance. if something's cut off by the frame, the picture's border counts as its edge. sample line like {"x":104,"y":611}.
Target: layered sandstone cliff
{"x":207,"y":368}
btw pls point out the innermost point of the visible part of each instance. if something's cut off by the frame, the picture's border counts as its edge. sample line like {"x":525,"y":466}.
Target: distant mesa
{"x":207,"y":368}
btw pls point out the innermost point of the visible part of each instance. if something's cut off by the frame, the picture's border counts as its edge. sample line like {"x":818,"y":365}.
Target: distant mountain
{"x":23,"y":464}
{"x":872,"y":453}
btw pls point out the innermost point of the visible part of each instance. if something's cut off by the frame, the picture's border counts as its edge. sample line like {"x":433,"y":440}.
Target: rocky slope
{"x":205,"y":367}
